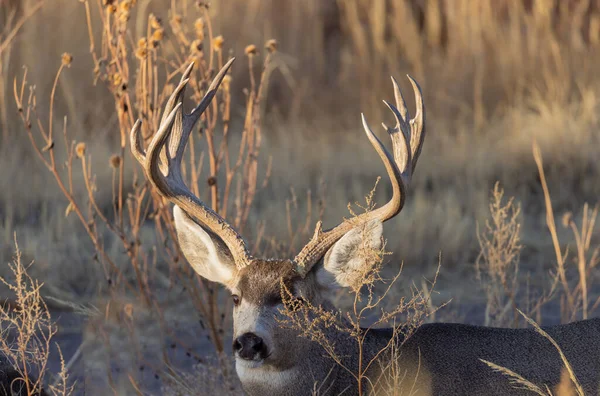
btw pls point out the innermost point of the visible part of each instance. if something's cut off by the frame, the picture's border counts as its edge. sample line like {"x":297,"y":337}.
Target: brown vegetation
{"x":496,"y":75}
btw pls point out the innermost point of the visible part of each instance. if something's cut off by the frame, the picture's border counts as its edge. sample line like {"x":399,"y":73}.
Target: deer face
{"x":259,"y":337}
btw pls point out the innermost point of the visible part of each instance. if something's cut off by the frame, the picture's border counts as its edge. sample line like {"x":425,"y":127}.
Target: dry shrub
{"x":26,"y":336}
{"x":370,"y":308}
{"x":139,"y":75}
{"x":497,"y":265}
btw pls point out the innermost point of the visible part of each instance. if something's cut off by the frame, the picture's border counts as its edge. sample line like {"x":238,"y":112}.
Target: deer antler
{"x":175,"y":128}
{"x":407,"y":139}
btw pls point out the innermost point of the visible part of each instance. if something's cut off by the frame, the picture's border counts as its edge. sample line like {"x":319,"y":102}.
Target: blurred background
{"x":496,"y":75}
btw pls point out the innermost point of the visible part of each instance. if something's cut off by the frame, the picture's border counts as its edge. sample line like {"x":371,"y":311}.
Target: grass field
{"x":496,"y":76}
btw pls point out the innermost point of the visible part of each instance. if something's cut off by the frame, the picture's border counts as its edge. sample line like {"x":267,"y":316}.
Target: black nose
{"x":249,"y":346}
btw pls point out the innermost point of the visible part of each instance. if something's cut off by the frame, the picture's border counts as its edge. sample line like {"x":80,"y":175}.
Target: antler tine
{"x":135,"y":139}
{"x":407,"y":140}
{"x":180,"y":136}
{"x":401,"y":136}
{"x":400,"y":102}
{"x":417,"y":124}
{"x":163,"y":167}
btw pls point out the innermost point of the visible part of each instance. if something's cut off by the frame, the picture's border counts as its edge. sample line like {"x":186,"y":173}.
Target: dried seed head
{"x":117,"y":79}
{"x":176,"y":19}
{"x":123,"y":16}
{"x":142,"y":43}
{"x":115,"y":161}
{"x":155,"y":22}
{"x":141,"y":53}
{"x":196,"y":46}
{"x":218,"y":43}
{"x":80,"y":149}
{"x":251,"y":50}
{"x":67,"y":59}
{"x":158,"y":35}
{"x":125,"y":10}
{"x":111,"y":9}
{"x":126,"y":5}
{"x":271,"y":45}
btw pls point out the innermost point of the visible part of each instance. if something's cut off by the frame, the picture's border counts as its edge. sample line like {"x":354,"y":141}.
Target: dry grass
{"x":495,"y":76}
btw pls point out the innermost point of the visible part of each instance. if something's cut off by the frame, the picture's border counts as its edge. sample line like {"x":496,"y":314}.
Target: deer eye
{"x":236,"y":299}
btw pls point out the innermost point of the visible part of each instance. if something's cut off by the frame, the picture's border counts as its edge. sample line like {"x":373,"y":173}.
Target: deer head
{"x":218,"y":253}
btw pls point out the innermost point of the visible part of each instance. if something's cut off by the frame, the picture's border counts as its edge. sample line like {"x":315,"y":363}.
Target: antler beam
{"x":407,"y":140}
{"x":162,"y":162}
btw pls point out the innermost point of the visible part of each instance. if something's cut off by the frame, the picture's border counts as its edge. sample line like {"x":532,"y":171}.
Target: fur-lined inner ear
{"x":205,"y":252}
{"x":344,"y":262}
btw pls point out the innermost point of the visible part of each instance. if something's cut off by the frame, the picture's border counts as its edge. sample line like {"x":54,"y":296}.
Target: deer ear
{"x":343,"y":264}
{"x":206,"y":252}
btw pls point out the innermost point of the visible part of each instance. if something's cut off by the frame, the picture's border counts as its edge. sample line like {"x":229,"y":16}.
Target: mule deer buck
{"x":438,"y":359}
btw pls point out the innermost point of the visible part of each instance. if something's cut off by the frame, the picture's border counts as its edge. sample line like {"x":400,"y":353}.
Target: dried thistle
{"x":176,"y":20}
{"x":80,"y":149}
{"x":116,"y":79}
{"x":155,"y":22}
{"x":196,"y":47}
{"x":115,"y":161}
{"x":218,"y":43}
{"x":124,"y":16}
{"x":157,"y":36}
{"x":126,"y":5}
{"x":140,"y":53}
{"x":271,"y":45}
{"x":66,"y":59}
{"x":142,"y":49}
{"x":251,"y":50}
